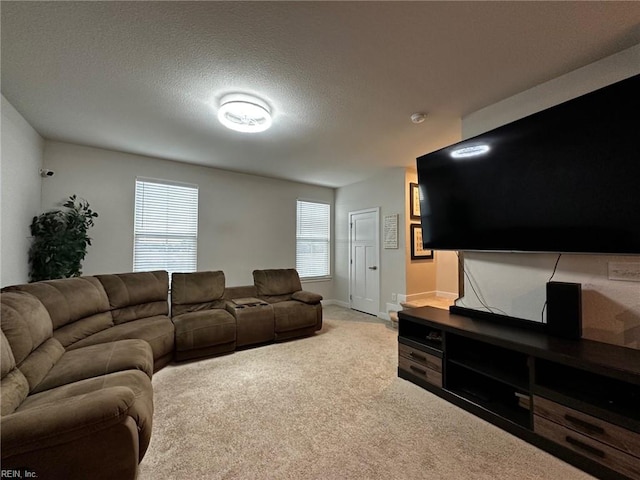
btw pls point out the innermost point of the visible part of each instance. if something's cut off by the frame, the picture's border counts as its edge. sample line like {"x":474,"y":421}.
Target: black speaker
{"x":564,"y":309}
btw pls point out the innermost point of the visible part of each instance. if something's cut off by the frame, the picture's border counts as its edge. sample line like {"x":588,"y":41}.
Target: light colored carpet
{"x":326,"y":407}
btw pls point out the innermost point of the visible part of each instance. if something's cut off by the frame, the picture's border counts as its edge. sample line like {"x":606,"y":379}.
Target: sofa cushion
{"x":157,"y":331}
{"x":197,"y":287}
{"x":76,"y":331}
{"x":38,"y":365}
{"x":105,"y":447}
{"x":203,"y":329}
{"x":96,"y":360}
{"x":25,"y":322}
{"x":195,"y":291}
{"x":14,"y":387}
{"x":274,"y":282}
{"x":77,"y":409}
{"x":293,"y":315}
{"x":7,"y":360}
{"x":27,"y":327}
{"x":71,"y":299}
{"x":136,"y":295}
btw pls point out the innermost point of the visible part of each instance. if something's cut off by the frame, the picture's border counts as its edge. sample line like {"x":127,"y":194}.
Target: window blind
{"x":312,"y":239}
{"x":166,"y":227}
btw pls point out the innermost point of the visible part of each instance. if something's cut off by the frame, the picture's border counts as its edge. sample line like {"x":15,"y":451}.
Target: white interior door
{"x":364,"y":272}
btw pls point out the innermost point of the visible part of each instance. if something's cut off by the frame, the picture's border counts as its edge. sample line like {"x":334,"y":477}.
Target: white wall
{"x":246,"y":222}
{"x":20,"y":161}
{"x":386,"y":191}
{"x":514,"y":283}
{"x":447,"y":280}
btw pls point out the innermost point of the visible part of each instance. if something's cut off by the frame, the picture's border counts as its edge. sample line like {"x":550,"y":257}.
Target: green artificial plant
{"x":60,"y":241}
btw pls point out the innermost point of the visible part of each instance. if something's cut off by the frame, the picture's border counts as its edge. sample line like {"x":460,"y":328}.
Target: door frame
{"x":375,"y":210}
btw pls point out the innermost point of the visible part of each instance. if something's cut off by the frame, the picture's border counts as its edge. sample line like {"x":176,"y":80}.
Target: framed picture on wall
{"x":417,"y":252}
{"x":414,"y":201}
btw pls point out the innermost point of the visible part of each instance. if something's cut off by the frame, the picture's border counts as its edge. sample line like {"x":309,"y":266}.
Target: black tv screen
{"x":566,"y":179}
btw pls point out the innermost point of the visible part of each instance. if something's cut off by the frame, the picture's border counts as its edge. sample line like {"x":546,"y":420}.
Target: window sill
{"x":316,"y":279}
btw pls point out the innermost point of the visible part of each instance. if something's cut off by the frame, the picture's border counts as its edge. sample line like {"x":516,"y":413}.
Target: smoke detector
{"x":418,"y":117}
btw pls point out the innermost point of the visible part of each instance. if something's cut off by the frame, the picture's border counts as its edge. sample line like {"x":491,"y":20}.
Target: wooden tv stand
{"x":577,"y":399}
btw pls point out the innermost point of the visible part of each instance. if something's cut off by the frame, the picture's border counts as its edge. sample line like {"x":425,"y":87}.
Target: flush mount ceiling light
{"x":472,"y":151}
{"x":244,"y":113}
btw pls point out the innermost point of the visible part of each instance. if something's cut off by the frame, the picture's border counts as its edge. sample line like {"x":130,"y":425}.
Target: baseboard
{"x":419,"y":296}
{"x":383,"y":315}
{"x":416,"y":297}
{"x":393,"y":307}
{"x":449,"y":295}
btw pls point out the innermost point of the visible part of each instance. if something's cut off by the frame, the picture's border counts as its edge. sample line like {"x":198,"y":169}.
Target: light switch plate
{"x":627,"y":271}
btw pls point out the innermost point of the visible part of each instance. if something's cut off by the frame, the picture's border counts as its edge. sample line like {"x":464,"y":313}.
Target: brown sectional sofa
{"x":78,"y":355}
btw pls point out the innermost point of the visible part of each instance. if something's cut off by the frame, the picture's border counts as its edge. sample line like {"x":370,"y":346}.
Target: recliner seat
{"x":296,"y":312}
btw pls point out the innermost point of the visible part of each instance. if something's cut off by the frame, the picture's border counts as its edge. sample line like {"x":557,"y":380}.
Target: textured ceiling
{"x":342,"y":78}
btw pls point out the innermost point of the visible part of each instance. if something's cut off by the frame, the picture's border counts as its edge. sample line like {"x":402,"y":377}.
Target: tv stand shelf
{"x":577,"y":399}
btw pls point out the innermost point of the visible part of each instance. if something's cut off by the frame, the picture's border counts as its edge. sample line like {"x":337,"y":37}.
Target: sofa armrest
{"x":307,"y":297}
{"x":64,"y":421}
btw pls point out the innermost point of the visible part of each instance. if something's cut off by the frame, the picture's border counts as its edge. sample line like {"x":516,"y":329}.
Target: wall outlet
{"x":628,"y":271}
{"x":394,"y":297}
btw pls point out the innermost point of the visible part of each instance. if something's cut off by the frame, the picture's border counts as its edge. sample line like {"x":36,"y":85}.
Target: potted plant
{"x":60,"y":241}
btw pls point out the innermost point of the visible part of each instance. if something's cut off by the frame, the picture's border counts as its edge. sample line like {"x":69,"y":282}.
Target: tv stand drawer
{"x":421,"y":371}
{"x":587,"y":425}
{"x":418,"y":356}
{"x":588,"y":447}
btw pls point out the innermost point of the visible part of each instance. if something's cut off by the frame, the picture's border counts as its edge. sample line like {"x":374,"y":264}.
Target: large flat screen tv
{"x":566,"y":179}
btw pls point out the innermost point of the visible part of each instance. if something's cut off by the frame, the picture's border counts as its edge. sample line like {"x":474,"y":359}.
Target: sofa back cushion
{"x":25,"y":322}
{"x":7,"y":360}
{"x":136,"y":295}
{"x":78,"y":306}
{"x":191,"y":292}
{"x":27,"y":328}
{"x":277,"y":284}
{"x":14,"y":387}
